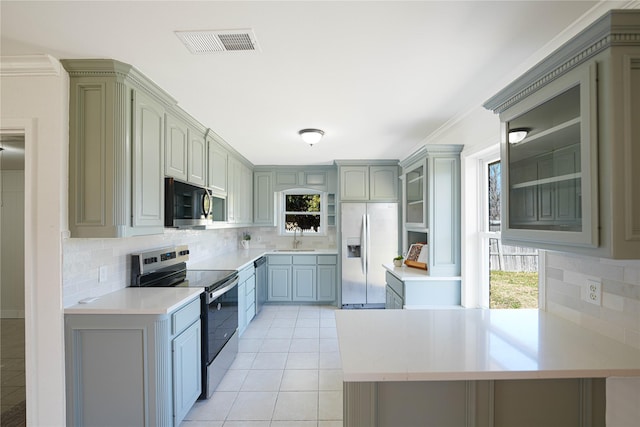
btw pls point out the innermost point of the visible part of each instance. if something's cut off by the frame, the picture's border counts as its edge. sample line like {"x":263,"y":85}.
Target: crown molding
{"x":29,"y":65}
{"x":615,"y":28}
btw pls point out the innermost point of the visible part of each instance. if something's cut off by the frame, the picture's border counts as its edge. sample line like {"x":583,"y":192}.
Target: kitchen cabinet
{"x":246,"y":297}
{"x":185,"y":150}
{"x":268,"y":181}
{"x":263,"y":198}
{"x":175,"y":154}
{"x":133,"y":369}
{"x":327,"y":277}
{"x":578,"y":105}
{"x":287,"y":177}
{"x":116,"y":150}
{"x":360,"y":181}
{"x":407,"y":288}
{"x":217,"y":165}
{"x":240,"y":192}
{"x":302,"y":278}
{"x":431,"y":206}
{"x":197,"y":158}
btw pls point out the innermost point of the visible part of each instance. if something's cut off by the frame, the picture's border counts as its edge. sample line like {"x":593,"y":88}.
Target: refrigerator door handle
{"x":363,"y":247}
{"x":368,"y":242}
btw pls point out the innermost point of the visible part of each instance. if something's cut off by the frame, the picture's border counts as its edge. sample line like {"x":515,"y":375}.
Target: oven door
{"x":222,"y":317}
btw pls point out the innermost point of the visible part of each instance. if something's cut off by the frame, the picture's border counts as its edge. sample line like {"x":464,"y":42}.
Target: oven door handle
{"x":215,"y":294}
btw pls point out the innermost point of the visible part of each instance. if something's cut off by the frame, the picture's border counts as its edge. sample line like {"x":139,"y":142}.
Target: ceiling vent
{"x":200,"y":42}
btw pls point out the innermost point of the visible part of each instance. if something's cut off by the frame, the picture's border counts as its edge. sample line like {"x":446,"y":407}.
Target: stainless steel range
{"x":219,"y":309}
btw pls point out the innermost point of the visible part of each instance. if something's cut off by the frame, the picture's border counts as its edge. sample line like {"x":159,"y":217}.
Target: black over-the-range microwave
{"x":190,"y":206}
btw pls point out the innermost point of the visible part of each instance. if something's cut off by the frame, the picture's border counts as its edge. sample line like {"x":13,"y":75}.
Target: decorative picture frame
{"x":416,"y":256}
{"x":414,"y":251}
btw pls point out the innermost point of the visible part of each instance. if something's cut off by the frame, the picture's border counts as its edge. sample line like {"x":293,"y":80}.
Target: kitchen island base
{"x":544,"y":402}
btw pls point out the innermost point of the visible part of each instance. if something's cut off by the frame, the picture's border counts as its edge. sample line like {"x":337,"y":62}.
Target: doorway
{"x":12,"y":280}
{"x":513,"y":270}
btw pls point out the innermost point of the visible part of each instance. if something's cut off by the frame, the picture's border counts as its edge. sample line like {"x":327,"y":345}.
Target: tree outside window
{"x":303,"y":212}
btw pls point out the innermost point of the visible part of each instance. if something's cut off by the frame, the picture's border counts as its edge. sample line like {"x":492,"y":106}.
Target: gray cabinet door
{"x":148,"y":162}
{"x":304,"y":282}
{"x":383,"y":183}
{"x":279,"y":283}
{"x":354,"y":183}
{"x":187,"y":378}
{"x":197,"y":158}
{"x":327,"y":279}
{"x":242,"y":308}
{"x":217,"y":176}
{"x":176,"y":148}
{"x":263,"y":198}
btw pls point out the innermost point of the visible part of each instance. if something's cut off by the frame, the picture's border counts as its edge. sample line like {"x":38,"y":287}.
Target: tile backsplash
{"x":83,"y":258}
{"x":618,"y":317}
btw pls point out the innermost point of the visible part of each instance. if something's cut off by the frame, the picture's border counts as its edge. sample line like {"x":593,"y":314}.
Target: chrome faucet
{"x":295,"y":241}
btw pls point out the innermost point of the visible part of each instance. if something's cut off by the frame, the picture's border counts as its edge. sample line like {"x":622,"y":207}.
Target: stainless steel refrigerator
{"x":369,"y":238}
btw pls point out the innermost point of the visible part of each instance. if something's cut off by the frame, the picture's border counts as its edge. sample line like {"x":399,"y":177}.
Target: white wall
{"x":37,"y":104}
{"x":12,"y":241}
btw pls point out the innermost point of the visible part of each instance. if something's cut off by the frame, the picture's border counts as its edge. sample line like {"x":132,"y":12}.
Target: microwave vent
{"x":213,"y":41}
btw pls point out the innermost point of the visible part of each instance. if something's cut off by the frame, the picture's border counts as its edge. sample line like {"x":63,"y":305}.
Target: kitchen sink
{"x":294,"y":250}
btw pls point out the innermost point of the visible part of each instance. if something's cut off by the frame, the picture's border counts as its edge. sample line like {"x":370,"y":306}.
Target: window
{"x":303,"y":211}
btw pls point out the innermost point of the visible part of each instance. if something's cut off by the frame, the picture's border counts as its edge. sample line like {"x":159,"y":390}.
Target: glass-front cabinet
{"x":415,"y":193}
{"x":550,"y":150}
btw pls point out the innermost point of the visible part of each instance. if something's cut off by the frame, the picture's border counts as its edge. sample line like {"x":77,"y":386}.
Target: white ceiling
{"x":377,"y":77}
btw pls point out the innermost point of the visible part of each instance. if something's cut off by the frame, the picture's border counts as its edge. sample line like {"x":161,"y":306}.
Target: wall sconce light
{"x":311,"y":136}
{"x":517,"y":135}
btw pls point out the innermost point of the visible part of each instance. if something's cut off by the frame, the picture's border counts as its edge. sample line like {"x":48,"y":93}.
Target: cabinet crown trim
{"x":431,"y":150}
{"x":615,"y":28}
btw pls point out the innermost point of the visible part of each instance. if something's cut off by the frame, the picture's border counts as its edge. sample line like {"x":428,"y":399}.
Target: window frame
{"x":322,"y":230}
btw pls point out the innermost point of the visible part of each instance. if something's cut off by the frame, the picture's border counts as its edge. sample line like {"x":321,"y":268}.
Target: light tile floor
{"x":287,"y":373}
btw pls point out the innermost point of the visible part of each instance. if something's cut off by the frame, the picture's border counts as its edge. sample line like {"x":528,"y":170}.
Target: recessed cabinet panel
{"x":217,"y":176}
{"x":176,"y":149}
{"x":354,"y":183}
{"x":197,"y":158}
{"x":383,"y":183}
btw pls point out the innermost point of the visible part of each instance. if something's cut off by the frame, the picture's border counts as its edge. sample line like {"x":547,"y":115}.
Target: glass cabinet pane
{"x":545,"y":180}
{"x":415,"y":196}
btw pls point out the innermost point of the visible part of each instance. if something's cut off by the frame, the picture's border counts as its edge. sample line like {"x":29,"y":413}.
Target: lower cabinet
{"x":302,"y":278}
{"x":246,"y":297}
{"x":393,"y":301}
{"x":133,"y":369}
{"x":422,"y":293}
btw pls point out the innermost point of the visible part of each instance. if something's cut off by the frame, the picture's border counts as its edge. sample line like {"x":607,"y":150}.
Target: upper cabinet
{"x":570,"y":180}
{"x":125,"y":135}
{"x":116,"y":150}
{"x":375,"y":181}
{"x":185,"y":150}
{"x":217,"y":164}
{"x":240,"y":192}
{"x":431,"y":206}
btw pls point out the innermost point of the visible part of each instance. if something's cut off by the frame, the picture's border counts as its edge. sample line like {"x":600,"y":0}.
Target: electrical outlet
{"x":259,"y":238}
{"x":102,"y":274}
{"x":594,"y":292}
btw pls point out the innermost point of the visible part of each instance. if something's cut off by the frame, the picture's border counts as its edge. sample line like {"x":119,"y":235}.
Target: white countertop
{"x":407,"y":274}
{"x":137,"y":301}
{"x":244,"y":257}
{"x":474,"y":344}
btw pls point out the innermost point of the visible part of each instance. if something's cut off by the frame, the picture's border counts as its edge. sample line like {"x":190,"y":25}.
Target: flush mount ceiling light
{"x":311,"y":136}
{"x":517,"y":135}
